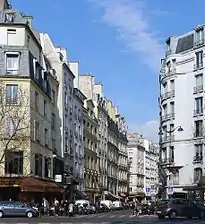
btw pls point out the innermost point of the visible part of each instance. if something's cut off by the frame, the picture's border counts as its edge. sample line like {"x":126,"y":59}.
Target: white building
{"x":77,"y":118}
{"x":182,"y":104}
{"x":151,"y":168}
{"x":66,"y":105}
{"x":136,"y":157}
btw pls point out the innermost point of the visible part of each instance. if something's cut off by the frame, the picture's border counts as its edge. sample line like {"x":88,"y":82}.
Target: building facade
{"x":68,"y":100}
{"x":181,"y":110}
{"x":151,"y":168}
{"x":28,"y":108}
{"x":78,"y":138}
{"x":136,"y":157}
{"x":111,"y":138}
{"x":92,"y":185}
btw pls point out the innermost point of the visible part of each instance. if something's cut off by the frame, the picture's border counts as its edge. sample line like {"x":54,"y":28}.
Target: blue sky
{"x":120,"y":42}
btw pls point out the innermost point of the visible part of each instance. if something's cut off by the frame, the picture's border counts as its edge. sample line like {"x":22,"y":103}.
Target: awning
{"x":137,"y":194}
{"x":30,"y":184}
{"x":110,"y":195}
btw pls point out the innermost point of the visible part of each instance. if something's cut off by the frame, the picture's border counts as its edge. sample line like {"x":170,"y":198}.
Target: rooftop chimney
{"x":4,"y":5}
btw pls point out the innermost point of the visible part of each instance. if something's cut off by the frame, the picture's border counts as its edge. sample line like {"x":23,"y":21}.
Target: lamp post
{"x":161,"y":168}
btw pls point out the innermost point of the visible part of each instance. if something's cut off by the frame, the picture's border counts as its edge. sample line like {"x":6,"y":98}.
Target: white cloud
{"x":149,"y":130}
{"x":131,"y":19}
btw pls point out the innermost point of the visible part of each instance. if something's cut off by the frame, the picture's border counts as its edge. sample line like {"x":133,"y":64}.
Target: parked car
{"x":180,"y":207}
{"x":15,"y":208}
{"x":117,"y":205}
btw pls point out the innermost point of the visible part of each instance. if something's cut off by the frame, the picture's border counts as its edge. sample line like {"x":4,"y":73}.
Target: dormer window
{"x":9,"y":17}
{"x":36,"y":69}
{"x":12,"y":63}
{"x":199,"y":35}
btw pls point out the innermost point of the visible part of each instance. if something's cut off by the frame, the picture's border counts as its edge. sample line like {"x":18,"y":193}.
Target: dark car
{"x":15,"y":208}
{"x":179,"y":207}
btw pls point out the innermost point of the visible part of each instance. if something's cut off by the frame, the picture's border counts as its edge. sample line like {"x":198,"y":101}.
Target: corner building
{"x":27,"y":82}
{"x":182,"y":110}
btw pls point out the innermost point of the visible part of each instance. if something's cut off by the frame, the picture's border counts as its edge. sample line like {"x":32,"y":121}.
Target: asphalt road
{"x":115,"y":217}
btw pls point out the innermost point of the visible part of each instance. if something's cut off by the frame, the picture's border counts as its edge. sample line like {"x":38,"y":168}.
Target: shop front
{"x":28,"y":189}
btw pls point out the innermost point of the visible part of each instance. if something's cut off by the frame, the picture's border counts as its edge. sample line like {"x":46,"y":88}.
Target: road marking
{"x":121,"y":216}
{"x":112,"y":216}
{"x":132,"y":216}
{"x":101,"y":216}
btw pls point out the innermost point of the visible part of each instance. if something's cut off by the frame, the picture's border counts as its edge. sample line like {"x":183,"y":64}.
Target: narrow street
{"x":115,"y":217}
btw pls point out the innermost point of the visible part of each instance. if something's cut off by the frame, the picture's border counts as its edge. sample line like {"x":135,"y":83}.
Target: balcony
{"x":166,"y":117}
{"x":198,"y":43}
{"x":168,"y":138}
{"x":164,"y":74}
{"x":166,"y":161}
{"x":198,"y":89}
{"x":198,"y":112}
{"x":167,"y":95}
{"x":198,"y":134}
{"x":198,"y":158}
{"x":198,"y":66}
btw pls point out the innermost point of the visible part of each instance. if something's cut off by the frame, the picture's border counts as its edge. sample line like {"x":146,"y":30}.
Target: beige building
{"x":112,"y":143}
{"x":91,"y":174}
{"x":29,"y":113}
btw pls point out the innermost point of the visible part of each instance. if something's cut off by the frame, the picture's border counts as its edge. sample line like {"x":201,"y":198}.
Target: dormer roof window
{"x":9,"y":16}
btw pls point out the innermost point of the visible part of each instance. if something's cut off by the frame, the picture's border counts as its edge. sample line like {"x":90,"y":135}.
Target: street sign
{"x":170,"y":187}
{"x":170,"y":190}
{"x":148,"y":192}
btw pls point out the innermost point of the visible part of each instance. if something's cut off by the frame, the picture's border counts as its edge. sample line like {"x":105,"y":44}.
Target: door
{"x":19,"y":209}
{"x":7,"y":208}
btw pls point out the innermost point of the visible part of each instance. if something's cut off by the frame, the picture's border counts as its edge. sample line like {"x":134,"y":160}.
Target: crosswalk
{"x":104,"y":218}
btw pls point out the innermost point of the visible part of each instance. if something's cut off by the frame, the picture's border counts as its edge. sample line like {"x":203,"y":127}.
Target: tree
{"x":14,"y":125}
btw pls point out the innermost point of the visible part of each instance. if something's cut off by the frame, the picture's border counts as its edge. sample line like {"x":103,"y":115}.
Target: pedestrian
{"x":70,"y":209}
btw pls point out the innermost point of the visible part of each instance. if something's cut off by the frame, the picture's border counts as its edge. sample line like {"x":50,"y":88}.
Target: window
{"x":11,"y":126}
{"x":12,"y":93}
{"x":165,"y":109}
{"x":199,"y":150}
{"x":46,"y":136}
{"x":66,"y":98}
{"x":65,"y":79}
{"x":11,"y":37}
{"x":172,"y":107}
{"x":45,"y":108}
{"x":36,"y":100}
{"x":14,"y":162}
{"x":12,"y":63}
{"x":199,"y":36}
{"x":53,"y":144}
{"x":66,"y":144}
{"x":172,"y":85}
{"x":199,"y":128}
{"x":171,"y":154}
{"x":53,"y":121}
{"x":199,"y":59}
{"x":53,"y":97}
{"x":197,"y":174}
{"x":199,"y":105}
{"x":169,"y":66}
{"x":199,"y":80}
{"x":38,"y":164}
{"x":37,"y":131}
{"x":175,"y":177}
{"x":47,"y":167}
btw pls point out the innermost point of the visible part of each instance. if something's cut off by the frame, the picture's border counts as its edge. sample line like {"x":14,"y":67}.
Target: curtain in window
{"x":12,"y":63}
